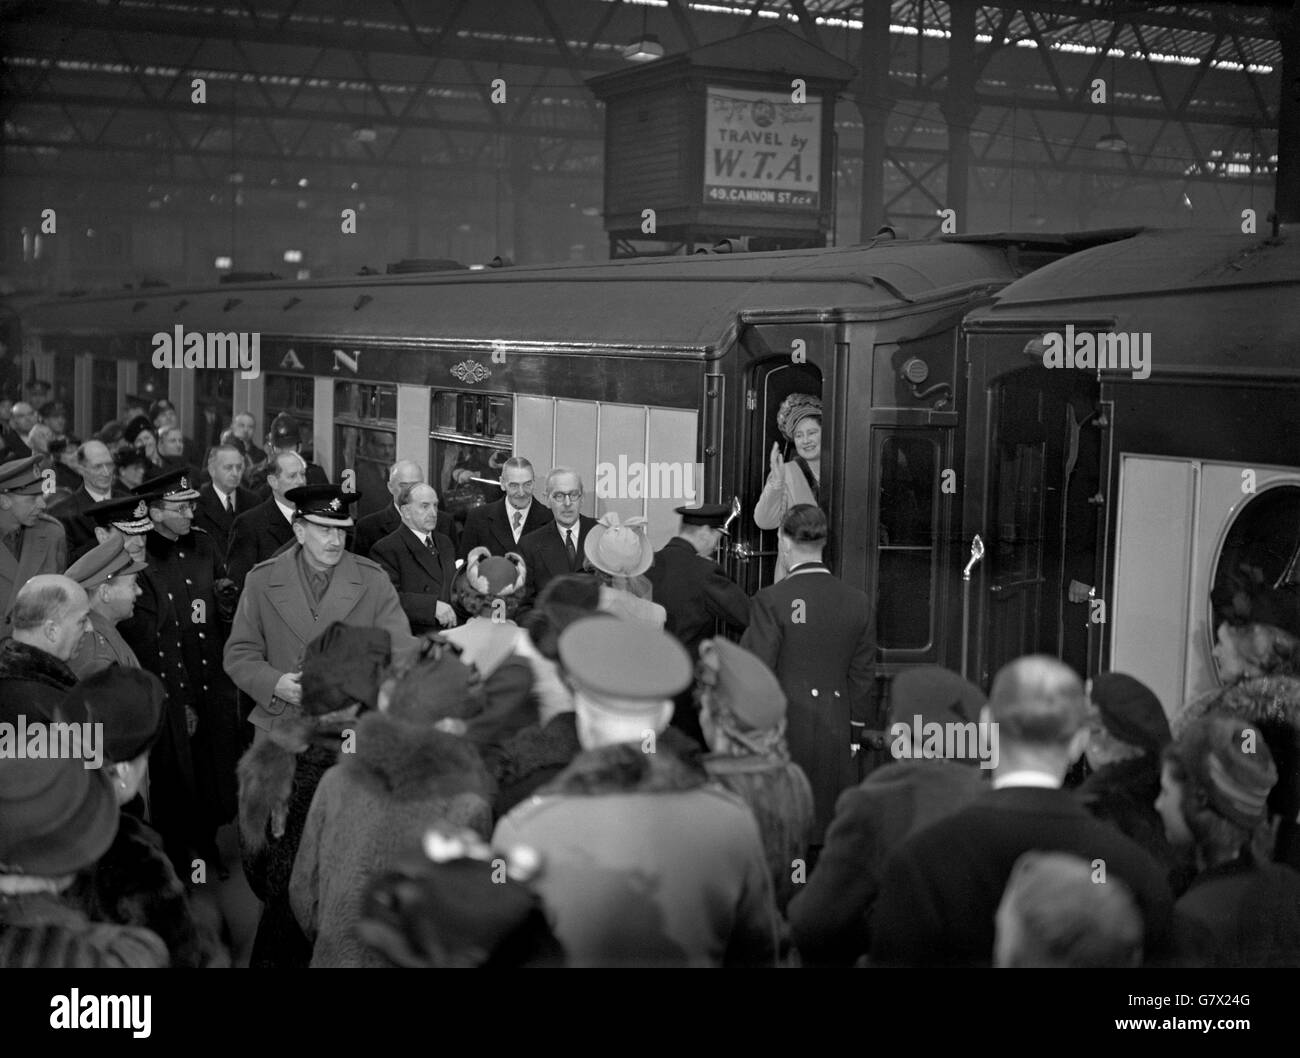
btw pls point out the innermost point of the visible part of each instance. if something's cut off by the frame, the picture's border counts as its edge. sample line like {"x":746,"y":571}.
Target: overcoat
{"x":44,"y":550}
{"x":275,"y":622}
{"x":421,"y":578}
{"x":489,"y":526}
{"x":818,"y":635}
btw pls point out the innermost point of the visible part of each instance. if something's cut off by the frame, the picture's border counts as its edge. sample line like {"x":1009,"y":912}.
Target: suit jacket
{"x":262,"y":490}
{"x":255,"y":536}
{"x":941,"y":889}
{"x":696,"y":594}
{"x":421,"y":579}
{"x":12,"y":446}
{"x":78,"y":527}
{"x":44,"y":550}
{"x":489,"y":526}
{"x":823,"y":652}
{"x":274,"y":624}
{"x":377,"y":525}
{"x":544,"y":553}
{"x":215,"y":520}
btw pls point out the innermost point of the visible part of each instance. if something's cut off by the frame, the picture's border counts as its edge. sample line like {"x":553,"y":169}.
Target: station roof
{"x":680,"y":302}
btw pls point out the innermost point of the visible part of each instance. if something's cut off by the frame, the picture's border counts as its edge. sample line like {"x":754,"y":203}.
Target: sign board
{"x":760,"y":149}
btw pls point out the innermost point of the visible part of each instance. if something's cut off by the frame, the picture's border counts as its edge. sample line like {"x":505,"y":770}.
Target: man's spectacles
{"x":567,"y":497}
{"x":179,"y":508}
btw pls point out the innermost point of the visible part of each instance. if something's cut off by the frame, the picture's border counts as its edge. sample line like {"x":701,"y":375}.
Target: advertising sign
{"x":760,"y":149}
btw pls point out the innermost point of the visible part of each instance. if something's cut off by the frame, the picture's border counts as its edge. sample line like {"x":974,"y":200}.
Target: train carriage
{"x":658,"y":379}
{"x":1148,"y":486}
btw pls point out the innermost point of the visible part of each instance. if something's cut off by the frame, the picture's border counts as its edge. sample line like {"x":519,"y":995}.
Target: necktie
{"x":518,"y":520}
{"x":230,"y":504}
{"x":568,"y":546}
{"x":428,"y":542}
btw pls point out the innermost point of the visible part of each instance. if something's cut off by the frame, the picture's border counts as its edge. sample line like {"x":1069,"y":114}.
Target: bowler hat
{"x":620,"y":550}
{"x":56,"y":816}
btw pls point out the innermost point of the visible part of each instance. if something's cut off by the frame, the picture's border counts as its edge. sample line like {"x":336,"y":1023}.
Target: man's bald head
{"x":404,"y":472}
{"x":50,"y":613}
{"x":1038,"y":701}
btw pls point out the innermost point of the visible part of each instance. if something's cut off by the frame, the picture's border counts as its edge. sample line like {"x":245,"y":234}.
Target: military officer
{"x":696,"y":593}
{"x":177,"y":633}
{"x":126,"y":517}
{"x":108,"y":575}
{"x":290,"y":599}
{"x":31,"y":542}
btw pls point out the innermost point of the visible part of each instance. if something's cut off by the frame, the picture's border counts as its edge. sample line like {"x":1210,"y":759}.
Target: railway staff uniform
{"x":31,"y":542}
{"x":696,"y":593}
{"x":817,"y":634}
{"x":288,"y":602}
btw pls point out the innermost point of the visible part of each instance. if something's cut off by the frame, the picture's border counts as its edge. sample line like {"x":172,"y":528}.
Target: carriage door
{"x":1043,"y":515}
{"x":770,"y":381}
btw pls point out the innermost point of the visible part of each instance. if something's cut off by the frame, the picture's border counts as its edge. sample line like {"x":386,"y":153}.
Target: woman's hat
{"x":128,"y":702}
{"x":741,"y":684}
{"x":621,"y":550}
{"x":56,"y":816}
{"x":342,"y":666}
{"x":494,"y":575}
{"x":135,"y":428}
{"x":794,"y":409}
{"x":1230,"y":761}
{"x":1130,"y":711}
{"x":936,"y":695}
{"x":439,"y":686}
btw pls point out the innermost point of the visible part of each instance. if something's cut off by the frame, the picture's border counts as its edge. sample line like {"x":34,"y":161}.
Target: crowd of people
{"x":521,"y":739}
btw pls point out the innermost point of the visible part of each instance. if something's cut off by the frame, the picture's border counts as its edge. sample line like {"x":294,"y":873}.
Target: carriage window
{"x":292,"y":394}
{"x":1260,"y":552}
{"x":471,"y":437}
{"x":908,"y":531}
{"x":365,"y":439}
{"x":213,"y":399}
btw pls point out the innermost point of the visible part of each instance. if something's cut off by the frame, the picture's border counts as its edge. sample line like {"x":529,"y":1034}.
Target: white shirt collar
{"x":565,"y":530}
{"x":221,"y":493}
{"x":1027,"y":777}
{"x":285,"y":509}
{"x":99,"y":497}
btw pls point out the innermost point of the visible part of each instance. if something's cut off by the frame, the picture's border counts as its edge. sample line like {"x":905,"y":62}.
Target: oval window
{"x":1260,"y":551}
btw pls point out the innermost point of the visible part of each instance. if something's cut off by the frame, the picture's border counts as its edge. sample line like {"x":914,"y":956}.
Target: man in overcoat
{"x":290,"y":599}
{"x":31,"y":542}
{"x":420,"y":561}
{"x":818,"y":635}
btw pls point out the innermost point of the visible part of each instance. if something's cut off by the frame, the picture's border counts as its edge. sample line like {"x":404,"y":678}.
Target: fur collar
{"x":1259,"y":699}
{"x":413,"y":761}
{"x":675,"y":766}
{"x":19,"y":661}
{"x":266,"y":775}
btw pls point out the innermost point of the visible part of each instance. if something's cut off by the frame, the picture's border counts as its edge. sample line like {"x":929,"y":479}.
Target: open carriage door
{"x":1043,"y":508}
{"x":767,"y":380}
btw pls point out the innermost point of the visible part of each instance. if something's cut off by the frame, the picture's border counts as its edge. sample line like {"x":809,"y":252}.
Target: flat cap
{"x":322,"y":504}
{"x":619,"y":660}
{"x":710,"y":514}
{"x":127,"y":514}
{"x":22,"y":477}
{"x":103,"y":562}
{"x":173,"y":486}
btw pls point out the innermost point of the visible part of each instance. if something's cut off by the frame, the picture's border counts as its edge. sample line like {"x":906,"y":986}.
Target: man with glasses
{"x":500,"y":526}
{"x":556,"y":548}
{"x":178,"y":632}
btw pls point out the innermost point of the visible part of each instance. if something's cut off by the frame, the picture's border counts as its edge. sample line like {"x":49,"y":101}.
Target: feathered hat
{"x":794,"y":409}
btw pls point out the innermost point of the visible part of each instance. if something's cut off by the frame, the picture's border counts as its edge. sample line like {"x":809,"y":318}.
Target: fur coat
{"x":370,"y":812}
{"x":534,"y":757}
{"x":277,"y":778}
{"x":32,"y":683}
{"x":135,"y":884}
{"x":1271,"y":703}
